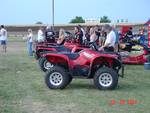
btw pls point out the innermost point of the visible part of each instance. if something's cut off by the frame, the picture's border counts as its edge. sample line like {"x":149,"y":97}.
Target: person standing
{"x":0,"y":36}
{"x":109,"y":44}
{"x":84,"y":39}
{"x":142,"y":36}
{"x":40,"y":35}
{"x":129,"y":35}
{"x":49,"y":34}
{"x":30,"y":42}
{"x":93,"y":36}
{"x":87,"y":33}
{"x":78,"y":34}
{"x":102,"y":37}
{"x":3,"y":38}
{"x":61,"y":39}
{"x":117,"y":38}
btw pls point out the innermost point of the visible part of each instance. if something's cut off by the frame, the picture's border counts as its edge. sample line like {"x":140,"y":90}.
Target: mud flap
{"x":122,"y":71}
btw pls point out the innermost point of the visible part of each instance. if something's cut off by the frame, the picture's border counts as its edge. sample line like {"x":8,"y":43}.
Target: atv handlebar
{"x":94,"y":46}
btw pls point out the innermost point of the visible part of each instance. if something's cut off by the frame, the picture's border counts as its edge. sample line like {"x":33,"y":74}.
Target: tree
{"x":105,"y":19}
{"x":39,"y":22}
{"x":77,"y":19}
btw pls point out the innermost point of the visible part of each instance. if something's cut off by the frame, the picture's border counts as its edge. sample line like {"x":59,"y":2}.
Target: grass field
{"x":22,"y":89}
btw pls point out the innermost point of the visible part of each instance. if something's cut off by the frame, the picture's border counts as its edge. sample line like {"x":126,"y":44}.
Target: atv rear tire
{"x":44,"y":64}
{"x":57,"y":78}
{"x":106,"y":78}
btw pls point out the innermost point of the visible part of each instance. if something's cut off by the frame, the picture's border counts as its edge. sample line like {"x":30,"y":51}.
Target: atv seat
{"x":113,"y":53}
{"x":116,"y":53}
{"x":52,"y":45}
{"x":60,"y":48}
{"x":71,"y":56}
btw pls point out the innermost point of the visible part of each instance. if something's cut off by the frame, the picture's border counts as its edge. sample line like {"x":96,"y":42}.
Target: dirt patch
{"x":31,"y":106}
{"x":16,"y":47}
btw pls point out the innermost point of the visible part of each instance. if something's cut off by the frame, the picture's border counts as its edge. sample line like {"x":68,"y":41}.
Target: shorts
{"x":3,"y":42}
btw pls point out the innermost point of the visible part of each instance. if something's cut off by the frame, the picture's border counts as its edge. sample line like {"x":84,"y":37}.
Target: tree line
{"x":79,"y":19}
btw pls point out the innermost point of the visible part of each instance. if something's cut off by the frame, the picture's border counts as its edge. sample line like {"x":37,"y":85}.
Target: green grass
{"x":22,"y":90}
{"x":15,"y":39}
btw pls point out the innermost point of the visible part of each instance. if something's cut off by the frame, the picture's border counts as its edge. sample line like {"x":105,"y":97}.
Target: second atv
{"x":103,"y":68}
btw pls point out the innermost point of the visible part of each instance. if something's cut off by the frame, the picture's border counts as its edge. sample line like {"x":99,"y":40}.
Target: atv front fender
{"x":108,"y":62}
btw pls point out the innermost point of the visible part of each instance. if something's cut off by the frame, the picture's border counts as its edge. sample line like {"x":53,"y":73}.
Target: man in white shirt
{"x":3,"y":37}
{"x":109,"y":44}
{"x":40,"y":35}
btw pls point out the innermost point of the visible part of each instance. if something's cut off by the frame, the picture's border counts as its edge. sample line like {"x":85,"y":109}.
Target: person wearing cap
{"x":49,"y":34}
{"x":109,"y":44}
{"x":3,"y":38}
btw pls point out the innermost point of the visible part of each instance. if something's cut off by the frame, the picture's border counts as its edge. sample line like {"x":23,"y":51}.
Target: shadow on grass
{"x":120,"y":87}
{"x":81,"y":86}
{"x":127,"y":87}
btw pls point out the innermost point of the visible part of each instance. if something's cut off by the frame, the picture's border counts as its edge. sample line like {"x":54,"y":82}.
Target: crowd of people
{"x":106,"y":37}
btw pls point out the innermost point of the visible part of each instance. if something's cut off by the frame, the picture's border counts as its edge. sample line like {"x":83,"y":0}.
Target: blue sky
{"x":31,"y":11}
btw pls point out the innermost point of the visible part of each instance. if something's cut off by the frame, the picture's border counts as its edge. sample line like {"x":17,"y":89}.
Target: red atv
{"x":67,"y":47}
{"x":130,"y":54}
{"x":70,"y":45}
{"x":141,"y":58}
{"x":134,"y":52}
{"x":53,"y":47}
{"x":102,"y":67}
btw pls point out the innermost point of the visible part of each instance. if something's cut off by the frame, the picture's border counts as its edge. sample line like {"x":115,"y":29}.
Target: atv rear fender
{"x":57,"y":59}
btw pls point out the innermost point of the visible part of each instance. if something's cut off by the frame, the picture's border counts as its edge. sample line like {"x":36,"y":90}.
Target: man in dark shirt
{"x":129,"y":34}
{"x":79,"y":34}
{"x":49,"y":35}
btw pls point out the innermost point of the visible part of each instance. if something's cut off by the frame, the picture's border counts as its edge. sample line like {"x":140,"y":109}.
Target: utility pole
{"x":53,"y":15}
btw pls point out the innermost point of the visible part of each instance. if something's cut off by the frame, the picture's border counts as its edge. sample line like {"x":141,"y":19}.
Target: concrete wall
{"x":21,"y":30}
